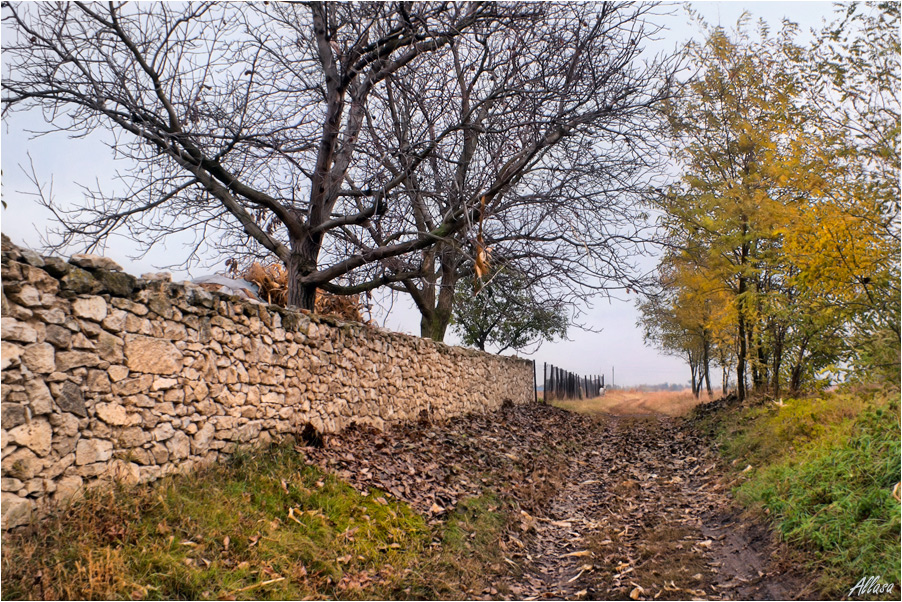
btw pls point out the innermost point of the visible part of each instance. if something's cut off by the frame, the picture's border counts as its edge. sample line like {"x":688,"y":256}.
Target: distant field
{"x":625,"y":402}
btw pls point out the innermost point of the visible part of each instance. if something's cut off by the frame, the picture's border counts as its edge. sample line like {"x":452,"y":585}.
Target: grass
{"x":824,"y":468}
{"x":262,"y":526}
{"x":635,"y":401}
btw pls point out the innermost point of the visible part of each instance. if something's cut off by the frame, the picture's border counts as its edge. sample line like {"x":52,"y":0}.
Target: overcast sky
{"x":618,"y":347}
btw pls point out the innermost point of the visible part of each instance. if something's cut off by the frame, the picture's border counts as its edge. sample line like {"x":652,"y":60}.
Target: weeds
{"x":262,"y":526}
{"x":823,"y":468}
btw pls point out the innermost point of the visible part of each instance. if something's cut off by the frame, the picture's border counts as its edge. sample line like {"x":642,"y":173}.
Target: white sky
{"x":618,"y":346}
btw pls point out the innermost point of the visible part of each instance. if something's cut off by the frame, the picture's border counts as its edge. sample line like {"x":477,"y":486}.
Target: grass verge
{"x":262,"y":526}
{"x":823,"y":469}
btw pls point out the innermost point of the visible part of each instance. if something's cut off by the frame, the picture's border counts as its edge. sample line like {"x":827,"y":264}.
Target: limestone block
{"x":22,"y":464}
{"x":112,"y":413}
{"x":58,"y":336}
{"x":65,"y":425}
{"x":117,"y":373}
{"x":89,"y":261}
{"x":54,"y":315}
{"x":68,"y":489}
{"x":10,"y":484}
{"x":14,"y":330}
{"x":16,"y":511}
{"x":27,"y":296}
{"x":115,"y":320}
{"x":116,"y":283}
{"x":39,"y":358}
{"x":163,"y":432}
{"x":98,"y":382}
{"x":70,"y":398}
{"x":67,"y":360}
{"x":90,"y":308}
{"x":80,"y":282}
{"x":10,"y":354}
{"x":57,"y":468}
{"x":37,"y":436}
{"x":152,"y":356}
{"x":109,"y":347}
{"x":160,"y":453}
{"x":13,"y":415}
{"x":89,"y":451}
{"x":179,"y":446}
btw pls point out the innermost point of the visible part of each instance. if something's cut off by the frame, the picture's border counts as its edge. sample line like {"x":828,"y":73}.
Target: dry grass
{"x":272,"y":281}
{"x":629,"y":402}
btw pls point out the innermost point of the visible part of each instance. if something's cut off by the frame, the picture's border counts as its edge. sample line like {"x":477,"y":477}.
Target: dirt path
{"x":645,"y":516}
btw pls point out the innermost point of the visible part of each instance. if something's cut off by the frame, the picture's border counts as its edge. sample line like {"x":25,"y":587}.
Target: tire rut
{"x":645,"y":515}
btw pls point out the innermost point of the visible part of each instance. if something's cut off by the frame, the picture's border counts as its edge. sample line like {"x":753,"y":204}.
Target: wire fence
{"x":560,"y":384}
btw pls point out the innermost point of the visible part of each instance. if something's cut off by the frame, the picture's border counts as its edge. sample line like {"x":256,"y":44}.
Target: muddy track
{"x":645,"y":515}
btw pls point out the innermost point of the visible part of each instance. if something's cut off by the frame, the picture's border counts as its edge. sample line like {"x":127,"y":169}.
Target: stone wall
{"x":107,"y":376}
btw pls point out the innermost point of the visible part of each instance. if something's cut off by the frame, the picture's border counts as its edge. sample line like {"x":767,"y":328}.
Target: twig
{"x":256,"y":585}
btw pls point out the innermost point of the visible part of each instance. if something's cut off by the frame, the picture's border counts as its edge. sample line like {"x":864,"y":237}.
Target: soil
{"x":646,"y":515}
{"x":619,"y":501}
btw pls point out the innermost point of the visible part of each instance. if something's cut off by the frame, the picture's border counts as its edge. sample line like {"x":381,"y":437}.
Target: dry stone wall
{"x":107,"y":376}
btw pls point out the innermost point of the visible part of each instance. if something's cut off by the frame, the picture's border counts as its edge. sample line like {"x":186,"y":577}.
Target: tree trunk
{"x":705,"y":359}
{"x":301,"y":263}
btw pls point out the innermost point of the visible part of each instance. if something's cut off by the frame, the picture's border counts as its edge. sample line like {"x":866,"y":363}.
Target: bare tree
{"x":553,"y":132}
{"x":234,"y":114}
{"x":278,"y":119}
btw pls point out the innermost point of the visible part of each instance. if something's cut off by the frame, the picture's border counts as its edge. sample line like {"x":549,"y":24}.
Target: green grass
{"x":824,"y":468}
{"x":262,"y":526}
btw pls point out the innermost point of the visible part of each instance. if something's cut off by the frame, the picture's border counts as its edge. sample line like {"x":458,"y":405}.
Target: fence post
{"x":535,"y":384}
{"x":545,"y":382}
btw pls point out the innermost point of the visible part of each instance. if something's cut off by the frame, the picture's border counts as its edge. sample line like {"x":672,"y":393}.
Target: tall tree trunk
{"x":706,"y":360}
{"x":301,"y":263}
{"x":778,"y":360}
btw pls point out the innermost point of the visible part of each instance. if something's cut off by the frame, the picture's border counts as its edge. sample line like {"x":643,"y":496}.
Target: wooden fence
{"x":560,"y":384}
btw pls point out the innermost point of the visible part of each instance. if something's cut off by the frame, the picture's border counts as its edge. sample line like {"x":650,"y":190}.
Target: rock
{"x":91,"y":308}
{"x":118,"y":284}
{"x":112,"y":413}
{"x":89,"y":451}
{"x":57,"y":468}
{"x":67,"y":360}
{"x":22,"y":464}
{"x":36,"y":436}
{"x":157,"y":276}
{"x":89,"y":261}
{"x":80,"y":282}
{"x":179,"y":446}
{"x":129,"y":306}
{"x":9,"y":354}
{"x":109,"y":347}
{"x":59,"y":337}
{"x":160,"y":453}
{"x":68,"y":488}
{"x":39,"y":398}
{"x":31,"y":258}
{"x":39,"y":358}
{"x":10,"y":484}
{"x":16,"y":511}
{"x":27,"y":296}
{"x":13,"y":330}
{"x":12,"y":415}
{"x":115,"y":321}
{"x":98,"y":382}
{"x":133,"y":437}
{"x":71,"y":399}
{"x":117,"y":373}
{"x":163,"y":432}
{"x":202,"y":438}
{"x":152,"y":356}
{"x":56,"y":267}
